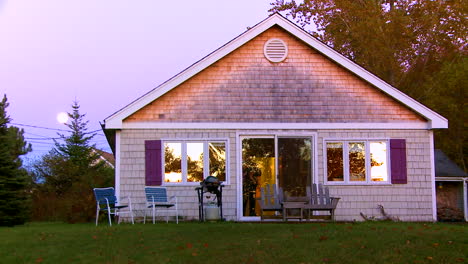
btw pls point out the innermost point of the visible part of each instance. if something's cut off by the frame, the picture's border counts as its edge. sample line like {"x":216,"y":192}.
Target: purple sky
{"x":104,"y":53}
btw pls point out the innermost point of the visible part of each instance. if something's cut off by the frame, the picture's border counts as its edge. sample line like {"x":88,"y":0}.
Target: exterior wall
{"x":408,"y":202}
{"x":132,"y":170}
{"x":245,"y":87}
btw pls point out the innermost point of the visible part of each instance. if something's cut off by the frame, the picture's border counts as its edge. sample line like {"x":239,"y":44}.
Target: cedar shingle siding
{"x":305,"y":88}
{"x":245,"y":87}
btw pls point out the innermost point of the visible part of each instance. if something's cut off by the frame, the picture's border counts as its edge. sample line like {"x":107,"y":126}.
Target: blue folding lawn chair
{"x":107,"y":201}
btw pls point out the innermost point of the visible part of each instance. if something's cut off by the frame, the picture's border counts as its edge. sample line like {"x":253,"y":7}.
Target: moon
{"x":62,"y":117}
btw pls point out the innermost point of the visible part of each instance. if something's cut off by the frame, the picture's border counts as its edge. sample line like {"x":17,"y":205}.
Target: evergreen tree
{"x":69,"y":172}
{"x":14,"y":202}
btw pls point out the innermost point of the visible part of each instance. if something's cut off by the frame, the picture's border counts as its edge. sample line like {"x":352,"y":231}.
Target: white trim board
{"x":115,"y":121}
{"x":262,"y":126}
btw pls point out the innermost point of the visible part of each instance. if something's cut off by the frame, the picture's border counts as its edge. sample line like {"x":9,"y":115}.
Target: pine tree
{"x":14,"y":203}
{"x":69,"y":172}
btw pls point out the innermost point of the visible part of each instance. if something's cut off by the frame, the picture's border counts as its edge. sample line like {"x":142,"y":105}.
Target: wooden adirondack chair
{"x":271,"y":200}
{"x":320,"y":200}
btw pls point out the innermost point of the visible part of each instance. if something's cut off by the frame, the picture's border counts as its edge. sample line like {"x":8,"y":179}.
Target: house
{"x":275,"y":105}
{"x":107,"y":157}
{"x":451,"y":189}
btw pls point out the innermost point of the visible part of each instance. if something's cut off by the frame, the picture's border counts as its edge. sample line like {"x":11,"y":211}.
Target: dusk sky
{"x":104,"y":53}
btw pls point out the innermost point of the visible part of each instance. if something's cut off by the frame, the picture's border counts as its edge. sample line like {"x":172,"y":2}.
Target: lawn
{"x":228,"y":242}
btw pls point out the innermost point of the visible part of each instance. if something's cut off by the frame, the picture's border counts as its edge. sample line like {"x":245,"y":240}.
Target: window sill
{"x":186,"y":184}
{"x":356,"y":184}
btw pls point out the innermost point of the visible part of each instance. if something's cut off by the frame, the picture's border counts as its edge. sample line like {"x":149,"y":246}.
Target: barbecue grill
{"x":210,"y":185}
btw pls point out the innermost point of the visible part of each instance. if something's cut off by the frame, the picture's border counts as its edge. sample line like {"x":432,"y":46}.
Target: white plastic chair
{"x":156,"y":197}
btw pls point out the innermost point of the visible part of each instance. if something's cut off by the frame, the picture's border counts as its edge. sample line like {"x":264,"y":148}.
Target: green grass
{"x":228,"y":242}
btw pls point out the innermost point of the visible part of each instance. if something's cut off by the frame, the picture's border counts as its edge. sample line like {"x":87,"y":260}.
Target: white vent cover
{"x":275,"y":50}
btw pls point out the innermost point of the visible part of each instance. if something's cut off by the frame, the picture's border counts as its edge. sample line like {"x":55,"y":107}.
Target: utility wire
{"x":56,"y":129}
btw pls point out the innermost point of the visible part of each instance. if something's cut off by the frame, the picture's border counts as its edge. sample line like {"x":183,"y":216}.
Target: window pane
{"x":335,"y":162}
{"x":194,"y":162}
{"x":357,"y":161}
{"x":217,"y":152}
{"x":378,"y":152}
{"x":172,"y":162}
{"x":294,"y":165}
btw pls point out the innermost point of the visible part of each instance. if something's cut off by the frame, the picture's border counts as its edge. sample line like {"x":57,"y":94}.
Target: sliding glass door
{"x":284,"y":161}
{"x":258,"y":169}
{"x":294,"y":165}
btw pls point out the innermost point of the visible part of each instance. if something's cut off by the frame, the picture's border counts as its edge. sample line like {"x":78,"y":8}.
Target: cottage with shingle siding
{"x":277,"y":106}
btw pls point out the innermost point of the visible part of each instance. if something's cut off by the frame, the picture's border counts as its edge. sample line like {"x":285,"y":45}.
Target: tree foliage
{"x":14,"y":204}
{"x":68,"y":173}
{"x":405,"y":42}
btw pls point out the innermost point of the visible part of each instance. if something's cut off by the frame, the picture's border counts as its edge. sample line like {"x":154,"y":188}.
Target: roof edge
{"x":434,"y":119}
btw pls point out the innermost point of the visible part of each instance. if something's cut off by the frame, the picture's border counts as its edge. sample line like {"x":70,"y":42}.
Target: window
{"x":357,"y":162}
{"x":193,"y":161}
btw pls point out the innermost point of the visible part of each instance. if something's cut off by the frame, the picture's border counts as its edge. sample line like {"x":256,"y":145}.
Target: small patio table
{"x":294,"y":203}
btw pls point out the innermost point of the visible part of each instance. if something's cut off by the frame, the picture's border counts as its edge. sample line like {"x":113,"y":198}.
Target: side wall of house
{"x":408,"y":202}
{"x":132,"y":169}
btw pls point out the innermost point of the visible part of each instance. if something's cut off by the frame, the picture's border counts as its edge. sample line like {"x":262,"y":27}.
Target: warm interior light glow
{"x":62,"y":117}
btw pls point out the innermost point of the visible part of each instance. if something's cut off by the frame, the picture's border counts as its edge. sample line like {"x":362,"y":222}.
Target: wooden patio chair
{"x":270,"y":201}
{"x":320,"y":200}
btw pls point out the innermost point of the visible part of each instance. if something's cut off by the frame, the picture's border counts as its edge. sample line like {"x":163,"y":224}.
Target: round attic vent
{"x":275,"y":50}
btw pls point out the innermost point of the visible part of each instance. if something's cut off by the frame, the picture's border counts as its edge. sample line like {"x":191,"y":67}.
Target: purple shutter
{"x":398,"y":161}
{"x":153,"y":162}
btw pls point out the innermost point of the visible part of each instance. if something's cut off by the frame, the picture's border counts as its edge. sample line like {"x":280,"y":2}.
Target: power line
{"x":36,"y":135}
{"x":38,"y":142}
{"x":56,"y":129}
{"x":44,"y":138}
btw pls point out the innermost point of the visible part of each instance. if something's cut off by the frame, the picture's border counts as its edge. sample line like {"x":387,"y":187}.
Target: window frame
{"x":184,"y":165}
{"x":346,"y":173}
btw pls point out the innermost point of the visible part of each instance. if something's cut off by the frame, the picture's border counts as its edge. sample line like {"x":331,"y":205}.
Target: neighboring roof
{"x":107,"y":157}
{"x":435,"y":120}
{"x":444,"y":167}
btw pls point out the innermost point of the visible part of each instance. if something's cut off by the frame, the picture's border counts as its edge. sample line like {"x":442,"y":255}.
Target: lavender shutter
{"x":398,"y":161}
{"x":153,"y":163}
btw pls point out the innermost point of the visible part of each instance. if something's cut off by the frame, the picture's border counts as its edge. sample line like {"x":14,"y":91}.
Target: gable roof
{"x":434,"y":120}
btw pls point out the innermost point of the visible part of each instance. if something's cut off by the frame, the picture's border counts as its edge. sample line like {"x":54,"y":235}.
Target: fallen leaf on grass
{"x":194,"y":254}
{"x":205,"y":245}
{"x":189,"y":245}
{"x":251,"y":260}
{"x":435,"y":244}
{"x":326,"y":260}
{"x":94,"y":237}
{"x":460,"y":260}
{"x":295,"y":236}
{"x":429,"y":258}
{"x":323,"y":238}
{"x":450,"y":242}
{"x":39,"y":260}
